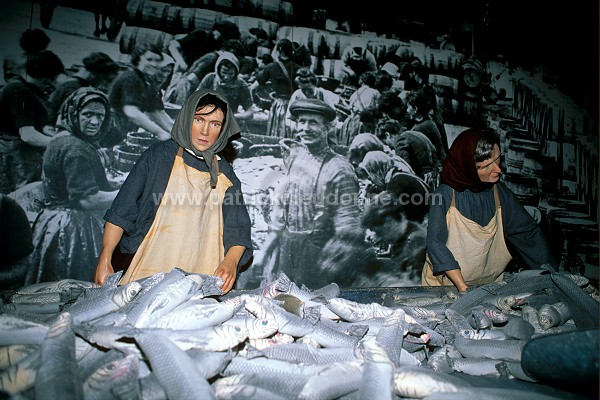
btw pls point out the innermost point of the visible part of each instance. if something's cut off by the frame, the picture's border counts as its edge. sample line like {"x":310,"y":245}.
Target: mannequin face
{"x":206,"y":128}
{"x":489,"y":170}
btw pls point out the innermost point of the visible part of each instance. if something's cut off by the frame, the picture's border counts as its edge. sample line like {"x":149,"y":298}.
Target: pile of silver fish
{"x":175,"y":336}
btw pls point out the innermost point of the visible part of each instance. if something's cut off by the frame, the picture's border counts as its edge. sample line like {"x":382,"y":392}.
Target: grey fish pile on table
{"x":174,"y":336}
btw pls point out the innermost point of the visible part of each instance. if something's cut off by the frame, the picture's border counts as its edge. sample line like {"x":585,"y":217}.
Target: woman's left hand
{"x":226,"y":271}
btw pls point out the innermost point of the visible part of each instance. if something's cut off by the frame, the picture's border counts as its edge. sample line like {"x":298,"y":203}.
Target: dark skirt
{"x":67,"y":245}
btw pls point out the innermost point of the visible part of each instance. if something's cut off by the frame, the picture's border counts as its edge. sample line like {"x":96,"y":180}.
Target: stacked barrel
{"x":160,"y":22}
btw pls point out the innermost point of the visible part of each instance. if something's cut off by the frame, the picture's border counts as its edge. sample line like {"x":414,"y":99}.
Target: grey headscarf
{"x":182,"y":130}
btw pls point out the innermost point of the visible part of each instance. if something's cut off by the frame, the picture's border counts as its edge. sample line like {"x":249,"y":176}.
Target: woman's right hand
{"x":103,"y":270}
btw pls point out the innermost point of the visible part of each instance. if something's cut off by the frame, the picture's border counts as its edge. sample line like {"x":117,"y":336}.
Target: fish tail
{"x":253,"y":352}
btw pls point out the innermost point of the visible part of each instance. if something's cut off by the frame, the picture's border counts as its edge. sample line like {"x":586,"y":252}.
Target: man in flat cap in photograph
{"x":316,"y":205}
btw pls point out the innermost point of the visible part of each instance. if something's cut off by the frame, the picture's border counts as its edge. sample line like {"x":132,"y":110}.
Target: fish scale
{"x":425,"y":341}
{"x":504,"y":350}
{"x":378,"y":373}
{"x":419,"y":382}
{"x":58,"y":375}
{"x":176,"y":371}
{"x":288,"y":385}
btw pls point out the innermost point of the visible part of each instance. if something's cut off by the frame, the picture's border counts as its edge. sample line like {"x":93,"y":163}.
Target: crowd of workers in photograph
{"x":380,"y":136}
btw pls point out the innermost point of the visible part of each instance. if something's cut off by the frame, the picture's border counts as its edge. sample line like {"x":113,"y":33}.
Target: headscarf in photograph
{"x":68,"y":114}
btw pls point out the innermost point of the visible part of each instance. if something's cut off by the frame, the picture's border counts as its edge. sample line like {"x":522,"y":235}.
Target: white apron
{"x":479,"y":250}
{"x":187,"y":231}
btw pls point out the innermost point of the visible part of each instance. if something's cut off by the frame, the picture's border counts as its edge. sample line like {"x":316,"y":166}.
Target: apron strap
{"x":496,"y":197}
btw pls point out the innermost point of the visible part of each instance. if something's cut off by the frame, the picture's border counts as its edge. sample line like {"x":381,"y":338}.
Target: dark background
{"x":560,"y":37}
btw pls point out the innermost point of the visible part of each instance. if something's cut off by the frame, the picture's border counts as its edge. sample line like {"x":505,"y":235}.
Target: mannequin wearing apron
{"x":479,"y":250}
{"x":197,"y":219}
{"x":177,"y":209}
{"x":467,"y":223}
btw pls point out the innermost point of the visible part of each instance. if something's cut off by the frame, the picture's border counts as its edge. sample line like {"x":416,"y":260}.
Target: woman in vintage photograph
{"x":68,"y":232}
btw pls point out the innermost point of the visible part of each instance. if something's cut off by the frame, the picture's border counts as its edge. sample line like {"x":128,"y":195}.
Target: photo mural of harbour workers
{"x":418,"y":106}
{"x":135,"y":97}
{"x":25,"y":123}
{"x":97,"y":69}
{"x":200,"y":200}
{"x":265,"y":151}
{"x":32,"y":41}
{"x":468,"y":230}
{"x":413,"y":147}
{"x":279,"y":75}
{"x":188,"y":49}
{"x":226,"y":80}
{"x":182,"y":85}
{"x":357,"y":59}
{"x":417,"y":80}
{"x":316,"y":208}
{"x":396,"y":223}
{"x":364,"y":98}
{"x":306,"y":81}
{"x":67,"y":233}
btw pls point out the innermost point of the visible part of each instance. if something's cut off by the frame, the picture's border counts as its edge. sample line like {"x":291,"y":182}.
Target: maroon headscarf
{"x":459,"y":171}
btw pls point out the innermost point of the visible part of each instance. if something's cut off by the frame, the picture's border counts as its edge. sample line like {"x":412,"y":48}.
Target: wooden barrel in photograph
{"x":517,"y":148}
{"x":187,"y":3}
{"x":444,"y":86}
{"x":126,"y":156}
{"x":526,"y":188}
{"x":233,"y":7}
{"x":246,"y":23}
{"x":380,"y":46}
{"x":155,"y":15}
{"x":200,"y":18}
{"x":319,"y":42}
{"x":443,"y":58}
{"x":275,"y":10}
{"x":329,"y":69}
{"x":132,"y":36}
{"x":141,"y":140}
{"x":542,"y":167}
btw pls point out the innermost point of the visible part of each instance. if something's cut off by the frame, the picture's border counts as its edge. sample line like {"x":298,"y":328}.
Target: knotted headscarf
{"x":68,"y":114}
{"x":459,"y":170}
{"x":225,"y":55}
{"x":182,"y":130}
{"x":377,"y":164}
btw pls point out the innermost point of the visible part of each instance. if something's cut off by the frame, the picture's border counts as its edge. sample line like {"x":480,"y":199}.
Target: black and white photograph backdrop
{"x":530,"y":71}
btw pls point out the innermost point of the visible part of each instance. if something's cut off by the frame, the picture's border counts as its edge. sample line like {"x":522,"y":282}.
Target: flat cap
{"x":312,"y":106}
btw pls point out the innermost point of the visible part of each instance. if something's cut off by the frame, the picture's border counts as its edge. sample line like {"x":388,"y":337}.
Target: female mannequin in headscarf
{"x":67,"y":234}
{"x":472,"y":214}
{"x":182,"y":183}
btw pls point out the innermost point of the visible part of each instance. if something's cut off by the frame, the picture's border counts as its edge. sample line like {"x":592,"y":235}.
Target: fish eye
{"x":265,"y":322}
{"x":238,"y":329}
